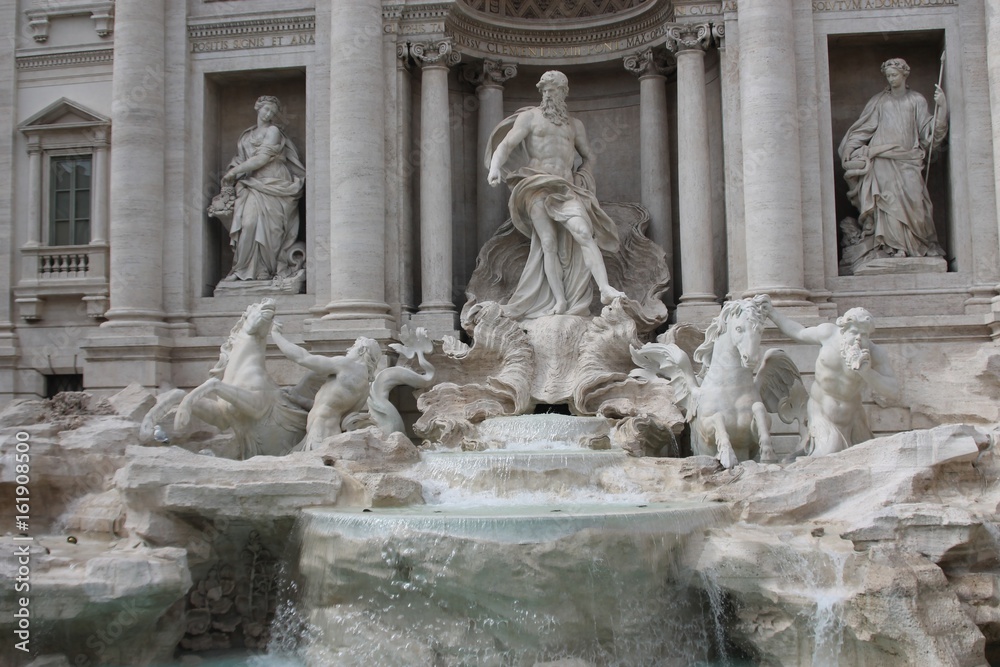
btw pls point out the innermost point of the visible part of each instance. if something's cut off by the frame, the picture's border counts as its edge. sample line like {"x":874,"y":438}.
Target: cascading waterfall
{"x":519,"y":557}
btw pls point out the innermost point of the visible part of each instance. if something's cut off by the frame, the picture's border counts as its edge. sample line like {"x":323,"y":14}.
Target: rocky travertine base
{"x":884,"y":554}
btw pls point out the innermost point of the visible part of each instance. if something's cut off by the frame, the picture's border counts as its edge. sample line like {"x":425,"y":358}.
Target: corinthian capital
{"x":648,"y":62}
{"x":439,"y":53}
{"x":490,"y":72}
{"x":689,"y":37}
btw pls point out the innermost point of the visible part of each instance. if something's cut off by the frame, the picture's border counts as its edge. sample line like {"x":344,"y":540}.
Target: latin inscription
{"x":255,"y":42}
{"x":848,"y":5}
{"x":708,"y":9}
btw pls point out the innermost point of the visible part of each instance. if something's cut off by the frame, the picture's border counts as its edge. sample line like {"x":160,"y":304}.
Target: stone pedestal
{"x":888,"y":265}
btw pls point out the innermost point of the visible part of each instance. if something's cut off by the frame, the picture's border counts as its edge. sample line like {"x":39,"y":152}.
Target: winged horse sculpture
{"x":727,"y":403}
{"x":239,"y":394}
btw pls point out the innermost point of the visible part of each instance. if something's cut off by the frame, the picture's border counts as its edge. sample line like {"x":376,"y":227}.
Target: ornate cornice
{"x":212,"y":35}
{"x":77,"y":58}
{"x":648,"y":63}
{"x":563,"y":42}
{"x":247,"y":26}
{"x":689,"y":37}
{"x":435,"y":54}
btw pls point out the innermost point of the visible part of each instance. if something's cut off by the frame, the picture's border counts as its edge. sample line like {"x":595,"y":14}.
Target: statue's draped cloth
{"x":893,"y":133}
{"x":266,"y":213}
{"x":562,"y":200}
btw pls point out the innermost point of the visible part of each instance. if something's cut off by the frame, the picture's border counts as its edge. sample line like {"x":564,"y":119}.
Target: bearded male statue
{"x":553,"y":205}
{"x":847,"y":362}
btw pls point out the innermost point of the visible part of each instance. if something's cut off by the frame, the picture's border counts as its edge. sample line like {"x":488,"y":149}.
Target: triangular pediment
{"x":64,"y":113}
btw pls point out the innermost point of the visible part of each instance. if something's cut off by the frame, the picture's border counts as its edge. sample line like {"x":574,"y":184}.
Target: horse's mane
{"x":227,"y":347}
{"x":703,"y":355}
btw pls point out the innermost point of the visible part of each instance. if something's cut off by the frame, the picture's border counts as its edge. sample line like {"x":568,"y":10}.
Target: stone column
{"x":357,"y":180}
{"x":654,"y":149}
{"x":491,"y":203}
{"x":732,"y":144}
{"x":34,"y":230}
{"x":697,"y":303}
{"x":136,"y":207}
{"x":437,"y":311}
{"x":98,"y":194}
{"x":993,"y":69}
{"x":772,"y":183}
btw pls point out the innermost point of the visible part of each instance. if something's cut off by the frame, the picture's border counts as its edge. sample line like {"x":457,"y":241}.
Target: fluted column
{"x":772,"y":183}
{"x":437,"y":311}
{"x":697,"y":303}
{"x":491,"y":203}
{"x":136,"y":210}
{"x":357,"y":178}
{"x":654,"y":148}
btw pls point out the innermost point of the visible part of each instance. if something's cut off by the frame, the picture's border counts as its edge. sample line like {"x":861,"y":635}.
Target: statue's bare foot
{"x":609,"y":294}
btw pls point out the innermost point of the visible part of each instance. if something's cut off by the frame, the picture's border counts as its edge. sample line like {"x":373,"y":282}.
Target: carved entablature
{"x":419,"y":23}
{"x":863,"y":5}
{"x":207,"y":36}
{"x":618,"y":29}
{"x":702,"y":9}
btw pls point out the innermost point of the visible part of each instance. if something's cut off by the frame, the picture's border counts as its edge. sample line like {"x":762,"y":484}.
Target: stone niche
{"x":855,"y":77}
{"x":229,"y":110}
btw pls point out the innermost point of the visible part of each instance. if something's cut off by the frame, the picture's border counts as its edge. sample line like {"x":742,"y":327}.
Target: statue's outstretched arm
{"x":304,"y":358}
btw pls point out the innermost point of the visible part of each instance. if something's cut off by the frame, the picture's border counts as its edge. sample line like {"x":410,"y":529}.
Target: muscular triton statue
{"x":345,"y":384}
{"x":554,"y":206}
{"x":847,"y":361}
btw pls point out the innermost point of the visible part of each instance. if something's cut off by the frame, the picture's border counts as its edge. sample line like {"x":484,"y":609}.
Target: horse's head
{"x":741,"y":324}
{"x":744,"y":326}
{"x":258,"y":318}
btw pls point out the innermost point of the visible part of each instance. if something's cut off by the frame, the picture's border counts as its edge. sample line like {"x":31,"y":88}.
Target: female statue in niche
{"x":262,"y":186}
{"x":884,"y":154}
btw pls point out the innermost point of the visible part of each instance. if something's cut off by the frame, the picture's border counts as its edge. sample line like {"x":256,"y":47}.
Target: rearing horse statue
{"x":727,"y":403}
{"x":240,"y":394}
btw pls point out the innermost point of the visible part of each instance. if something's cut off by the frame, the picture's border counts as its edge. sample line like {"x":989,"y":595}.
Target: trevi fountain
{"x":604,"y":333}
